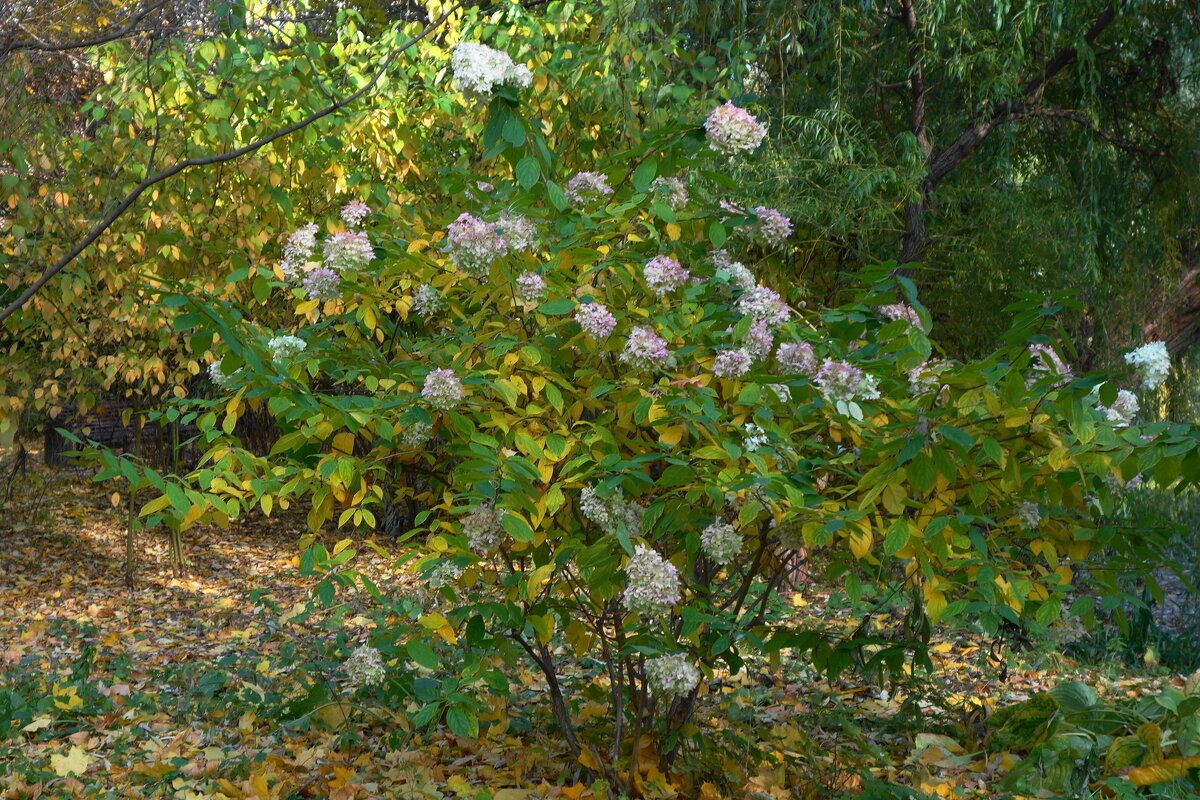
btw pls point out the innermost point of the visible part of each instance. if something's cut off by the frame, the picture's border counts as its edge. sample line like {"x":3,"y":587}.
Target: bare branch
{"x":130,"y":28}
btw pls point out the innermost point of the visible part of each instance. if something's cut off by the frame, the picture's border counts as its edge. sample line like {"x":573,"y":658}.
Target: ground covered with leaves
{"x":201,"y":686}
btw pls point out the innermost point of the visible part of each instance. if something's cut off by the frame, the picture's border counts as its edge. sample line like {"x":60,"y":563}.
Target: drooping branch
{"x":939,"y":165}
{"x":217,"y":158}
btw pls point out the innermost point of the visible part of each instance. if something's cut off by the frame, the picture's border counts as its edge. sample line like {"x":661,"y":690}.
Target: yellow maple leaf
{"x":75,"y":762}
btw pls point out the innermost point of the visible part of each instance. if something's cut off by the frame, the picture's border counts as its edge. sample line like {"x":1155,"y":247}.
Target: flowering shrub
{"x":613,"y":474}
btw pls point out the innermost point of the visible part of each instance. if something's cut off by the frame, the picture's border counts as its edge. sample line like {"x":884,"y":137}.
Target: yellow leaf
{"x":671,"y":435}
{"x":673,"y":231}
{"x":344,"y":443}
{"x":861,"y":539}
{"x":536,"y":579}
{"x":75,"y":762}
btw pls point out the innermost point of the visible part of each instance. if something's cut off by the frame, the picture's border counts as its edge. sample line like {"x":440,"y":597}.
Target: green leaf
{"x":422,"y":654}
{"x":462,"y":723}
{"x":717,"y":234}
{"x":556,"y":308}
{"x":528,"y":170}
{"x":643,"y":176}
{"x":517,"y":527}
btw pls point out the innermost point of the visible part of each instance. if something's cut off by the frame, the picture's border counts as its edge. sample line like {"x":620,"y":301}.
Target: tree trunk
{"x":1176,"y":319}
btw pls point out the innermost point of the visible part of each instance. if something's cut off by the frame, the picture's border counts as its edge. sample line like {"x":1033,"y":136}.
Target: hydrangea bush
{"x":626,"y":424}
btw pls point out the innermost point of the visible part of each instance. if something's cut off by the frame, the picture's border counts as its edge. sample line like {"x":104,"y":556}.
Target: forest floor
{"x":181,"y":687}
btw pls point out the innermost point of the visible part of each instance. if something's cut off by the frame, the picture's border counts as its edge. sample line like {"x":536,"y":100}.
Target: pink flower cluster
{"x":1047,"y":363}
{"x":732,"y":130}
{"x":443,"y":389}
{"x":595,"y":320}
{"x":732,"y":363}
{"x":674,"y":191}
{"x":482,"y":527}
{"x":585,"y":186}
{"x":926,"y":376}
{"x":520,"y":235}
{"x":348,"y":250}
{"x":645,"y":349}
{"x":531,"y":288}
{"x":797,"y":357}
{"x":759,"y":340}
{"x":664,"y":274}
{"x":764,"y":304}
{"x":653,"y":585}
{"x":322,"y":283}
{"x":354,"y":212}
{"x":474,"y":244}
{"x":898,"y":311}
{"x":1123,"y":409}
{"x":772,"y":228}
{"x":838,"y":380}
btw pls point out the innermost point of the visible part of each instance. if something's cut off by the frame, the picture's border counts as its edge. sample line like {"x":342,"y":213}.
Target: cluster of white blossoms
{"x":531,"y":288}
{"x":765,"y":304}
{"x":414,"y":436}
{"x":474,"y":244}
{"x":520,"y":234}
{"x":585,"y":186}
{"x":901,"y":311}
{"x":672,"y":675}
{"x":595,"y":319}
{"x":664,"y":274}
{"x":479,"y":69}
{"x":611,"y":513}
{"x":645,"y":349}
{"x":297,"y":251}
{"x":1029,"y":515}
{"x":483,"y":527}
{"x":653,"y":583}
{"x":365,"y":667}
{"x":1124,"y":408}
{"x":218,"y":376}
{"x":797,"y":357}
{"x":732,"y":130}
{"x":926,"y":376}
{"x":755,"y":437}
{"x":732,"y":363}
{"x":721,"y":542}
{"x":347,"y":250}
{"x":759,"y":339}
{"x":673,"y":190}
{"x":444,"y":574}
{"x":427,"y":301}
{"x":839,"y":380}
{"x":354,"y":212}
{"x":771,"y":229}
{"x":1153,"y":361}
{"x":443,"y":389}
{"x":284,"y":347}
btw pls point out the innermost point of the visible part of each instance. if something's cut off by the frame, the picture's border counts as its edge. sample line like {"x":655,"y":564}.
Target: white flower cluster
{"x":674,"y":191}
{"x":520,"y":234}
{"x":284,"y":347}
{"x":595,"y":319}
{"x":1029,"y":515}
{"x":797,"y":357}
{"x":1123,"y":409}
{"x":1153,"y":361}
{"x":720,"y":542}
{"x":584,"y":186}
{"x":297,"y":251}
{"x":479,"y":69}
{"x":732,"y":130}
{"x":732,"y":363}
{"x":483,"y":527}
{"x":444,"y":574}
{"x":443,"y":389}
{"x":365,"y":667}
{"x":664,"y":274}
{"x":653,"y":583}
{"x":672,"y":675}
{"x":531,"y":288}
{"x":926,"y":376}
{"x":218,"y":375}
{"x":426,"y":301}
{"x":416,"y":435}
{"x":755,"y":437}
{"x":765,"y":304}
{"x":613,"y":512}
{"x":354,"y":212}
